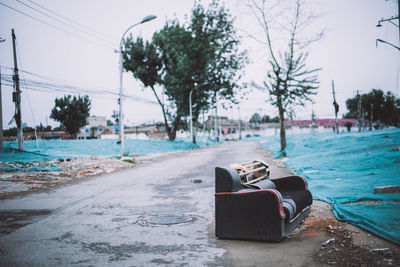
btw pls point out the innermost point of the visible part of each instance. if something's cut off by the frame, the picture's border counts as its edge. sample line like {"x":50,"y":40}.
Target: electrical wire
{"x":57,"y":28}
{"x":47,"y":87}
{"x":67,"y":24}
{"x":71,"y":21}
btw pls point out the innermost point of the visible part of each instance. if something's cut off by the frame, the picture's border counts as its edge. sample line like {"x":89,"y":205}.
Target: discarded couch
{"x":249,"y":205}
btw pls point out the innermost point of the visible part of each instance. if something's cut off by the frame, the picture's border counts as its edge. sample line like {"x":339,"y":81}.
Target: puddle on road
{"x":12,"y":220}
{"x":170,"y":219}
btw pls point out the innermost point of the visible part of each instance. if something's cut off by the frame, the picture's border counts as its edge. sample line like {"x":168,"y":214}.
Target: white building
{"x":95,"y":127}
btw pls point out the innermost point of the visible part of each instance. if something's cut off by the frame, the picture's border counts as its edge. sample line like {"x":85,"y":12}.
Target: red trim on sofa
{"x":280,"y":205}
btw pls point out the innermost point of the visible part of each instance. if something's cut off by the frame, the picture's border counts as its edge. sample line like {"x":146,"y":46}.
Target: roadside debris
{"x":389,"y":189}
{"x":16,"y":177}
{"x":341,"y":250}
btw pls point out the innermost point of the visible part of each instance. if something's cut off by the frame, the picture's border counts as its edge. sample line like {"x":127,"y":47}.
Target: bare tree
{"x":289,"y":82}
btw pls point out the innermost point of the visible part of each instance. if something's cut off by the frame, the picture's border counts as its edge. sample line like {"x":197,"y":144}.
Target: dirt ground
{"x":17,"y":180}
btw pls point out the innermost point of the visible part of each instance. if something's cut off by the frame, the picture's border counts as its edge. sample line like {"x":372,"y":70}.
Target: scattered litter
{"x":25,"y":176}
{"x":379,"y":249}
{"x":29,"y":166}
{"x":328,"y":241}
{"x":389,"y":261}
{"x":389,"y":189}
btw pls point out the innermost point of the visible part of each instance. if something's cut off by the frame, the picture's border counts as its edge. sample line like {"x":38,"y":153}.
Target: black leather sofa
{"x":258,"y":208}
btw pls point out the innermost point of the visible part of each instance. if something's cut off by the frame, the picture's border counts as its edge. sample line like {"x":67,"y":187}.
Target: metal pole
{"x":1,"y":115}
{"x":359,"y":111}
{"x":371,"y":117}
{"x":1,"y":108}
{"x":240,"y":125}
{"x":215,"y":122}
{"x":190,"y":111}
{"x":17,"y":98}
{"x":121,"y":117}
{"x":204,"y":128}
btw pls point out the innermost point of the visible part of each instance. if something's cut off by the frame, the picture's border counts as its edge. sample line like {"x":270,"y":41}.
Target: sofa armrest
{"x":227,"y":180}
{"x":287,"y":183}
{"x":247,"y":198}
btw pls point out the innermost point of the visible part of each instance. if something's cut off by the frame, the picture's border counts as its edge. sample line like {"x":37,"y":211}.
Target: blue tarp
{"x":344,"y":169}
{"x":62,"y":149}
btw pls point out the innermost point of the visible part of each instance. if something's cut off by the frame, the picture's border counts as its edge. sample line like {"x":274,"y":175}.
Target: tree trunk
{"x":282,"y":124}
{"x":171,"y":134}
{"x":194,"y":139}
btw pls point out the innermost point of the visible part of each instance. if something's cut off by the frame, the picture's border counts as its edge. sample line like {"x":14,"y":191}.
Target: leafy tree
{"x":265,"y":119}
{"x":110,"y":123}
{"x":71,"y":112}
{"x":255,"y":118}
{"x":275,"y":119}
{"x":149,"y":62}
{"x":41,"y":128}
{"x":289,"y":81}
{"x":199,"y":56}
{"x":376,"y":107}
{"x":28,"y":130}
{"x":10,"y":132}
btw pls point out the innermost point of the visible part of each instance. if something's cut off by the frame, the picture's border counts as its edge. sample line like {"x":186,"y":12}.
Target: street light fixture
{"x":121,"y":122}
{"x":382,"y":41}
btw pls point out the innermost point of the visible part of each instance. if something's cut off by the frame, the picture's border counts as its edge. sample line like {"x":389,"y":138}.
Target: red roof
{"x":323,"y":122}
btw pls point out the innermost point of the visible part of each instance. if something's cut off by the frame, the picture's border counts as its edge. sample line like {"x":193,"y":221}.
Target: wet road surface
{"x":158,"y":213}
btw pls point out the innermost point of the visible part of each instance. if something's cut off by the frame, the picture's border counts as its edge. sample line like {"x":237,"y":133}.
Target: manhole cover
{"x":169,"y":219}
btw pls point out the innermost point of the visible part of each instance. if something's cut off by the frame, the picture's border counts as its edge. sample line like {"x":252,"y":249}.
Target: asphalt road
{"x":158,"y":213}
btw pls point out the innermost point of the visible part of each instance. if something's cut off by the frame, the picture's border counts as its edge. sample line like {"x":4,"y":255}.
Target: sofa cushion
{"x":289,"y":206}
{"x":302,"y":198}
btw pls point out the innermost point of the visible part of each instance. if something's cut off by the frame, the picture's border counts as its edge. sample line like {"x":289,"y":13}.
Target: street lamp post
{"x":1,"y":107}
{"x":121,"y":117}
{"x":191,"y":118}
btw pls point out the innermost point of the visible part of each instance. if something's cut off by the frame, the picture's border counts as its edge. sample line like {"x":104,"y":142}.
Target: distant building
{"x":152,"y":132}
{"x":96,"y":126}
{"x":47,"y":135}
{"x":227,"y":125}
{"x":328,"y":123}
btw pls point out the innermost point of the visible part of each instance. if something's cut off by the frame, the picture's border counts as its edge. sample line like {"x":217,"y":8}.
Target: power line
{"x":33,"y":85}
{"x":74,"y":22}
{"x":68,"y":24}
{"x":57,"y":28}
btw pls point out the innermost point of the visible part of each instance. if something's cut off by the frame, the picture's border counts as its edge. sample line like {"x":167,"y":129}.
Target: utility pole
{"x":216,"y":120}
{"x":204,"y":128}
{"x":240,"y":124}
{"x":336,"y":105}
{"x":371,"y":117}
{"x":312,"y":119}
{"x":396,"y":25}
{"x":17,"y":98}
{"x":359,"y":111}
{"x":1,"y":116}
{"x":1,"y":108}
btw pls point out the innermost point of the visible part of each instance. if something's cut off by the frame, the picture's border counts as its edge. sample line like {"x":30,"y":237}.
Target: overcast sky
{"x":83,"y":55}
